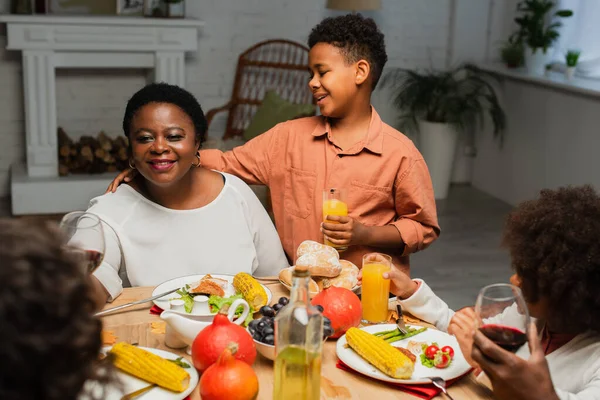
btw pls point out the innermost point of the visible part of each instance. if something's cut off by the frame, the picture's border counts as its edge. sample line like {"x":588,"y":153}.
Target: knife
{"x":122,"y":306}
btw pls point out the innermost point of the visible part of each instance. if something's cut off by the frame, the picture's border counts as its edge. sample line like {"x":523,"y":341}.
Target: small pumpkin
{"x":229,"y":378}
{"x":212,"y":340}
{"x":341,"y":306}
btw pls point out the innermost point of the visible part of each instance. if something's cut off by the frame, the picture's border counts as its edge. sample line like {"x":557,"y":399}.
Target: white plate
{"x":204,"y":311}
{"x":458,"y":367}
{"x":131,"y":384}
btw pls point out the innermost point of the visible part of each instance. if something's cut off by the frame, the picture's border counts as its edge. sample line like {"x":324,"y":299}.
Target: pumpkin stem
{"x":326,"y":284}
{"x":228,"y":353}
{"x":224,"y":310}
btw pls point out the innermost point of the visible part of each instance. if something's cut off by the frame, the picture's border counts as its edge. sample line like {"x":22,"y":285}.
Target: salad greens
{"x":188,"y":299}
{"x":215,"y":303}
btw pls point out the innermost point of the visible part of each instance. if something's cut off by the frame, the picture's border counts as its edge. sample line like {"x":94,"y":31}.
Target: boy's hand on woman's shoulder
{"x":344,"y":231}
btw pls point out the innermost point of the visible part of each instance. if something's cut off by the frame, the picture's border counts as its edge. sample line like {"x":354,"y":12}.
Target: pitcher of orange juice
{"x":334,"y":203}
{"x":375,"y":289}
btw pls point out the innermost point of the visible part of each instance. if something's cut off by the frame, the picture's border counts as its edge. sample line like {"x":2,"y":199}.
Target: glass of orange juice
{"x":334,"y":203}
{"x":375,"y":289}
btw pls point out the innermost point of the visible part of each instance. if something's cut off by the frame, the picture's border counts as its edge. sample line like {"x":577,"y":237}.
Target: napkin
{"x":156,"y":310}
{"x":422,"y":391}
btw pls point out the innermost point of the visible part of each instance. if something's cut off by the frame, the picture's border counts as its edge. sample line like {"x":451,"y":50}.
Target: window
{"x":581,"y":32}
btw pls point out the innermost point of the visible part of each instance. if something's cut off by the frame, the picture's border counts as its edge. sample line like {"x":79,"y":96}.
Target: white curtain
{"x":580,"y":32}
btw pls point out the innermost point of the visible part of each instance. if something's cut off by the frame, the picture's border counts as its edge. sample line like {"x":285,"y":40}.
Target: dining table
{"x":137,"y":325}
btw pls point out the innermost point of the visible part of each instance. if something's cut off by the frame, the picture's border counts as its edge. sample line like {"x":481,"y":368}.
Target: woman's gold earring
{"x":198,"y":157}
{"x":131,"y":164}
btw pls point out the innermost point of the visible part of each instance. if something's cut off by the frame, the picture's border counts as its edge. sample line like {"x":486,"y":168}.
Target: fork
{"x":138,"y":393}
{"x":400,"y":321}
{"x":441,"y":384}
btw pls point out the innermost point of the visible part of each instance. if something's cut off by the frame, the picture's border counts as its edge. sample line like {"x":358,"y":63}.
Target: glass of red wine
{"x":84,"y":236}
{"x":503,"y":315}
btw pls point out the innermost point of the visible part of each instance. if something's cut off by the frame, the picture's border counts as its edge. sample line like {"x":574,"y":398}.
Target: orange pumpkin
{"x":341,"y":306}
{"x":229,"y":378}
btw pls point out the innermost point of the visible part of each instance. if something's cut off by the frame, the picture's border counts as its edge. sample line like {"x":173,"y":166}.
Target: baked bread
{"x":285,"y":276}
{"x":348,"y":278}
{"x":210,"y":286}
{"x":310,"y":246}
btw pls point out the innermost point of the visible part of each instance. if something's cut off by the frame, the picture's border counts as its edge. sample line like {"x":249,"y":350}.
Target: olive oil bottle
{"x":298,"y":344}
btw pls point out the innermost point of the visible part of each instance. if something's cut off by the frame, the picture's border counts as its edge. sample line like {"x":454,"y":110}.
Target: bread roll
{"x":310,"y":246}
{"x":348,"y":278}
{"x":321,"y":263}
{"x":285,"y":276}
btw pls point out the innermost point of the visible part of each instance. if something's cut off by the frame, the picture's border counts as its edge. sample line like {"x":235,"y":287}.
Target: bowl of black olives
{"x":262,"y":329}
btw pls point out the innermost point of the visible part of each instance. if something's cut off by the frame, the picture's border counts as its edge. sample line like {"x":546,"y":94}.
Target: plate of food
{"x":205,"y":295}
{"x":138,"y":367}
{"x":424,"y":352}
{"x":323,"y":262}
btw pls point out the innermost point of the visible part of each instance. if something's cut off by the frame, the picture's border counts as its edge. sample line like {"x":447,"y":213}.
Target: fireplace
{"x":51,"y":42}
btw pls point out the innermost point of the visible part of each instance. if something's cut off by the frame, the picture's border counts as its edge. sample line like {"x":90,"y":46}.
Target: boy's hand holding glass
{"x":343,"y":231}
{"x":400,"y":283}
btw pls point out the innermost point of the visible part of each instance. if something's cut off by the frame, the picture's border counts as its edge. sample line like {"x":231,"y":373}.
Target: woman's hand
{"x":124,"y":176}
{"x":462,"y":326}
{"x":513,"y":377}
{"x":345,"y":231}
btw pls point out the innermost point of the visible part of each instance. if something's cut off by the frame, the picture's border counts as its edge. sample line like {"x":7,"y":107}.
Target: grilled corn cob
{"x":380,"y":354}
{"x":252,"y":291}
{"x":150,"y":367}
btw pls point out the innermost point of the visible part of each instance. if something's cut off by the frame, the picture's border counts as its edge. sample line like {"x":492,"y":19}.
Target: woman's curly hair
{"x":554,"y":243}
{"x":49,"y":339}
{"x":357,"y":37}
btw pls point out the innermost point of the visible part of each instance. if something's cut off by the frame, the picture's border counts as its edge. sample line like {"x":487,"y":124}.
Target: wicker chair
{"x":279,"y":65}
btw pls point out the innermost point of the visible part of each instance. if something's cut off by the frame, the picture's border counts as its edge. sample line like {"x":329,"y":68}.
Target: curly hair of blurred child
{"x":49,"y":339}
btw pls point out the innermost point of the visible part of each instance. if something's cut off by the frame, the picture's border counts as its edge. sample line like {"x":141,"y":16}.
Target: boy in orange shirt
{"x":391,"y":203}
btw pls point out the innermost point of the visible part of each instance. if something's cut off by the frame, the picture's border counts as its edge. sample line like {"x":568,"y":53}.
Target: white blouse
{"x":148,"y":244}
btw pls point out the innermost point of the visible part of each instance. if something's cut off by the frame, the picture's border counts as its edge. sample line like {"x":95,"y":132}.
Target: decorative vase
{"x":570,"y":72}
{"x":536,"y":60}
{"x":437,"y":143}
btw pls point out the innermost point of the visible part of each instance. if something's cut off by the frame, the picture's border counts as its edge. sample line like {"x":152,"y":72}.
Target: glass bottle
{"x":298,"y":344}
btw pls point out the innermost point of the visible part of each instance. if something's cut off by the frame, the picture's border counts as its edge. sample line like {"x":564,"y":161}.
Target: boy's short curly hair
{"x":49,"y":339}
{"x":170,"y":94}
{"x":555,"y":250}
{"x":357,"y":37}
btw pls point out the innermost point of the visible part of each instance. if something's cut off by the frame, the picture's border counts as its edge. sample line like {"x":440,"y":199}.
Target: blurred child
{"x":49,"y":339}
{"x":555,"y":252}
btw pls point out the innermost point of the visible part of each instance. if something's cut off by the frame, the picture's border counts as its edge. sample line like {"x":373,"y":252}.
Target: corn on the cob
{"x":150,"y":367}
{"x":380,"y":354}
{"x":252,"y":291}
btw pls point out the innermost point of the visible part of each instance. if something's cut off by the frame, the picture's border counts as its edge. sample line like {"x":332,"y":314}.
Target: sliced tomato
{"x":441,"y":360}
{"x":431,"y":351}
{"x":449,"y":350}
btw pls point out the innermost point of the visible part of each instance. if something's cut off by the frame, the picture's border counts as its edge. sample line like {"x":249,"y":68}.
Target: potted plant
{"x":548,"y":70}
{"x":440,"y":105}
{"x":571,"y":60}
{"x":537,"y":31}
{"x":511,"y":54}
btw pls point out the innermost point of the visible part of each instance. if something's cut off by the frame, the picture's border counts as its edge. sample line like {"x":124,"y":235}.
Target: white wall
{"x":90,"y":101}
{"x":552,"y":140}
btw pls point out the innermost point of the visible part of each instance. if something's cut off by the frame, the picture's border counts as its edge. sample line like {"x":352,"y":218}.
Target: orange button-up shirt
{"x":386,"y":178}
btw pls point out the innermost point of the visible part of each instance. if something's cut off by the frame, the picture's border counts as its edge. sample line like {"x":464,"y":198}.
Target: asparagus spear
{"x":400,"y":336}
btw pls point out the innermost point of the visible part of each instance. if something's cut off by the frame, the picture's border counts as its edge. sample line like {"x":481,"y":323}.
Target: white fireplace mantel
{"x":51,"y":42}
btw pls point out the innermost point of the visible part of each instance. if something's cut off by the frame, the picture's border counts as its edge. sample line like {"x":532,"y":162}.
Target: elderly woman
{"x":178,"y":218}
{"x":555,"y":250}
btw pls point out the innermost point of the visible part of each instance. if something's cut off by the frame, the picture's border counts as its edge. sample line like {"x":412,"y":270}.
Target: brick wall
{"x":90,"y":100}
